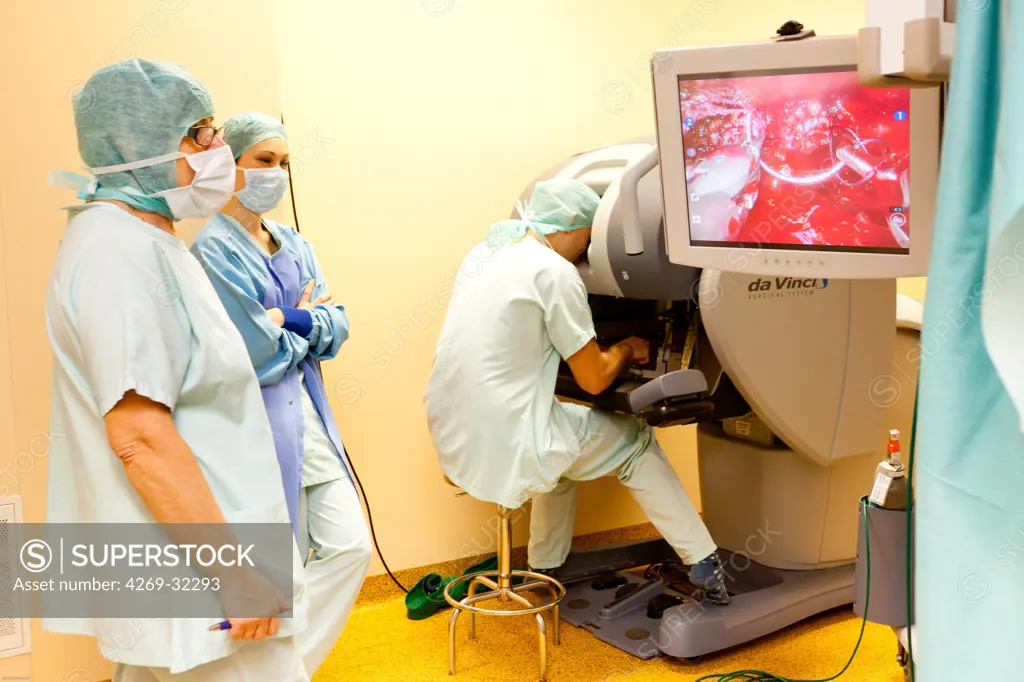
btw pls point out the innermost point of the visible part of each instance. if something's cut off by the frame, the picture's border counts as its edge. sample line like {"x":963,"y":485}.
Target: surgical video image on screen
{"x":805,"y":161}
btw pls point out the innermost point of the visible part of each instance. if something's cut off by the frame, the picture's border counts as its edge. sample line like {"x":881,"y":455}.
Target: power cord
{"x":761,"y":676}
{"x":373,"y":533}
{"x":295,"y":210}
{"x":910,"y":540}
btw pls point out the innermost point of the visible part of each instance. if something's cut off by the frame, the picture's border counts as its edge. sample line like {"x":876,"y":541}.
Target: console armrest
{"x":676,"y":384}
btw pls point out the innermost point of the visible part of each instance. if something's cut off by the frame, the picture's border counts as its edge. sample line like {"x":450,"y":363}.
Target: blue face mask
{"x":264,"y":188}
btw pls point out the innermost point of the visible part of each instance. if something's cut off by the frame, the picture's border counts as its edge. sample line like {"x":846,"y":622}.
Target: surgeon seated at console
{"x":519,"y":307}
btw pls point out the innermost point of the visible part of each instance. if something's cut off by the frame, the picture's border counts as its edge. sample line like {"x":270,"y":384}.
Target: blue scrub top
{"x":249,"y":281}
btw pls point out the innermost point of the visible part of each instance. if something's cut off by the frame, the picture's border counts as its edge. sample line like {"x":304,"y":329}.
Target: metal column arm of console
{"x":632,"y":232}
{"x":907,"y":44}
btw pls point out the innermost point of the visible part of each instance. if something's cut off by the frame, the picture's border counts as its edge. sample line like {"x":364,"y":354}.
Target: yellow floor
{"x":381,"y":644}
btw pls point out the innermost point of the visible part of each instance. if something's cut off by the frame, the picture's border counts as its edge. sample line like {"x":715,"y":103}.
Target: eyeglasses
{"x":204,"y":135}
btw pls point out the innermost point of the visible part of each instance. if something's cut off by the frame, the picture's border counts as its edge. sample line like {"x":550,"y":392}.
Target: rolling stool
{"x":500,"y":584}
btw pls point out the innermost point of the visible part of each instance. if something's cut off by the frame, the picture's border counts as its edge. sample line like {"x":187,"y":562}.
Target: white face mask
{"x":208,"y":192}
{"x":264,"y":188}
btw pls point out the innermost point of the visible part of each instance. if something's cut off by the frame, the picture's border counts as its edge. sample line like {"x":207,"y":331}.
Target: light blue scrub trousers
{"x":337,"y":534}
{"x":340,"y":540}
{"x":272,"y":659}
{"x":640,"y":464}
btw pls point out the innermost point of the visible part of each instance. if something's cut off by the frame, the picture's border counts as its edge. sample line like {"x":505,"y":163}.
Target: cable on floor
{"x":762,"y":676}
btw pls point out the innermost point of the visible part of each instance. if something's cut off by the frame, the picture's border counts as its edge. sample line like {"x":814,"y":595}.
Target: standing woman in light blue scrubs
{"x":270,"y":282}
{"x":156,"y":414}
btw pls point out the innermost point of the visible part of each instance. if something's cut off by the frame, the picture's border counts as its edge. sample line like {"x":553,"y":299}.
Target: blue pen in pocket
{"x":226,"y":624}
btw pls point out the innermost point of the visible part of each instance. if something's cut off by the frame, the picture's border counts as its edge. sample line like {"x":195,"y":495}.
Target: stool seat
{"x":500,"y":587}
{"x":461,"y":492}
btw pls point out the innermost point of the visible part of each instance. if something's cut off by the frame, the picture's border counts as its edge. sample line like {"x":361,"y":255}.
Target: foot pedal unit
{"x":656,"y":607}
{"x":589,"y":564}
{"x":661,"y":613}
{"x":618,"y":616}
{"x":607,"y":581}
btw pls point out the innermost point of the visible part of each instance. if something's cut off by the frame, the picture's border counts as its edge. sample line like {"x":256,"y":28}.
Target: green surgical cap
{"x":132,"y":110}
{"x":245,"y":131}
{"x":563,"y":204}
{"x":558,"y":205}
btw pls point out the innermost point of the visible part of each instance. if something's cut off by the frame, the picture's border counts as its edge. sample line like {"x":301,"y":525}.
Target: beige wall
{"x":413,"y":126}
{"x":913,"y":287}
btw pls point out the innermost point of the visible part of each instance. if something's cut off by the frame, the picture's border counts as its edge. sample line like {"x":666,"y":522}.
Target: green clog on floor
{"x":426,"y":596}
{"x":489,"y":564}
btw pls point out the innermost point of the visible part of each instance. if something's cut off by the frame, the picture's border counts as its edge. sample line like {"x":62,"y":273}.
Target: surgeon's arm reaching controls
{"x":569,"y":322}
{"x":595,"y":369}
{"x":162,"y":469}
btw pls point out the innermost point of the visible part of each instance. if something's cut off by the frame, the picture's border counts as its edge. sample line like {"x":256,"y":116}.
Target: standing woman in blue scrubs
{"x":270,"y":282}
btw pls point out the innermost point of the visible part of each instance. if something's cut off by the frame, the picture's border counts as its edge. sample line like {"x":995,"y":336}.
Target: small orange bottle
{"x":893,"y":448}
{"x":890,"y":490}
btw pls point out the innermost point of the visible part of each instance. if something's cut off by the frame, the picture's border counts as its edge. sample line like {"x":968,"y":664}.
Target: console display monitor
{"x":797,"y":168}
{"x":834,"y":156}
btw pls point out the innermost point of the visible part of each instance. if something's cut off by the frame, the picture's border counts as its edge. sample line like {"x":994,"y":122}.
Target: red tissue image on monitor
{"x":806,"y":161}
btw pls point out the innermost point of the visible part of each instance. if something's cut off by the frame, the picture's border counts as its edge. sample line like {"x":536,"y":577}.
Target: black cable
{"x":295,"y":212}
{"x":762,"y":676}
{"x":366,"y":501}
{"x":369,"y":514}
{"x":910,"y":538}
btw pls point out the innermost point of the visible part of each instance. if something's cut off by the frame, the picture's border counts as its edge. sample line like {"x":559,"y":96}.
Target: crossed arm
{"x":277,"y":339}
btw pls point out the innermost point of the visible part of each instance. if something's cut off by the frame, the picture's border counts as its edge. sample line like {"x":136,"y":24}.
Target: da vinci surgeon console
{"x":755,"y":242}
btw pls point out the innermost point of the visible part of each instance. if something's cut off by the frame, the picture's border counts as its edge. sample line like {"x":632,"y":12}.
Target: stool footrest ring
{"x":538,"y":580}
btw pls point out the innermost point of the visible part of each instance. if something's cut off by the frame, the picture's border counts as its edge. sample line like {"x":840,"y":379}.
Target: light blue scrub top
{"x":129,"y":308}
{"x":515,"y":313}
